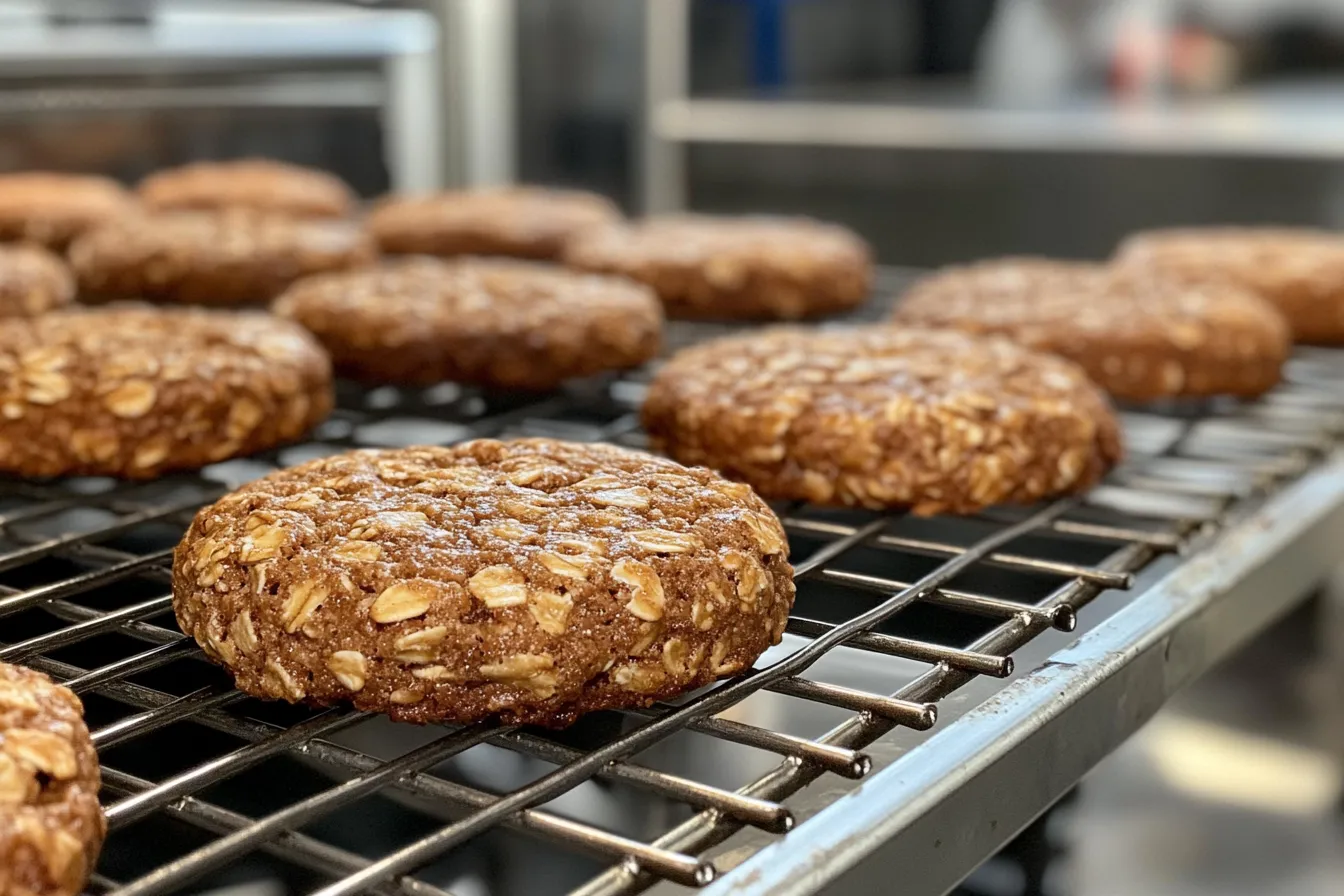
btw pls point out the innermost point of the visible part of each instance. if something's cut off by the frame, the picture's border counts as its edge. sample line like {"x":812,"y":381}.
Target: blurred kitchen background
{"x":942,"y":130}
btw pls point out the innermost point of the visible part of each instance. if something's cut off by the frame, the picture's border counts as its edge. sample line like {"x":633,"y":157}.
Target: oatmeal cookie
{"x":932,"y":420}
{"x":525,"y":222}
{"x":261,"y":184}
{"x":1140,"y":336}
{"x":734,"y":268}
{"x":532,"y":580}
{"x":51,"y":826}
{"x":135,"y":391}
{"x":488,"y":322}
{"x":52,"y":209}
{"x":32,"y":280}
{"x":1301,"y":272}
{"x":198,"y":258}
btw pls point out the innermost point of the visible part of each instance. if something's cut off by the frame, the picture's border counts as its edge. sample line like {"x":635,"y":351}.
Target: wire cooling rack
{"x":205,"y":786}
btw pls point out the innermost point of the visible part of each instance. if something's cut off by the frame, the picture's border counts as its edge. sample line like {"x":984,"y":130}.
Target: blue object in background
{"x":767,"y":59}
{"x":767,"y":43}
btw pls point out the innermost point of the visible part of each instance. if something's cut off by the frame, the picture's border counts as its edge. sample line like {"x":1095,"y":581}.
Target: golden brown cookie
{"x":734,"y":268}
{"x":933,"y":420}
{"x":261,"y":184}
{"x":524,"y":222}
{"x":32,"y":280}
{"x":531,"y":580}
{"x":134,"y":391}
{"x":229,"y":258}
{"x":52,"y":209}
{"x":1139,"y":335}
{"x":51,"y":826}
{"x":489,"y":322}
{"x":1301,"y":272}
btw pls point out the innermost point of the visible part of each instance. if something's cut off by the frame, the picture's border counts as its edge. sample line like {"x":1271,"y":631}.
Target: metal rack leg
{"x":667,"y":60}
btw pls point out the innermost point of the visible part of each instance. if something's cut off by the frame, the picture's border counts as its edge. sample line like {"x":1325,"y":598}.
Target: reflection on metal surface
{"x":1215,"y":763}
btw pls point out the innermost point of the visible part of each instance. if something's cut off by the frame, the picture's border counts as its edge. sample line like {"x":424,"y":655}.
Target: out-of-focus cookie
{"x":487,"y":322}
{"x":135,"y":392}
{"x":52,"y":209}
{"x":235,"y":257}
{"x":51,"y":826}
{"x":261,"y":184}
{"x":32,"y":280}
{"x":1139,"y":335}
{"x":931,"y":420}
{"x":1299,"y":271}
{"x":531,"y":580}
{"x":524,"y":222}
{"x":734,"y":268}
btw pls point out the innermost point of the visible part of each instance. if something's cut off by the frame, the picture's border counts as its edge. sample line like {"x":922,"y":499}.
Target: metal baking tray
{"x":942,"y":682}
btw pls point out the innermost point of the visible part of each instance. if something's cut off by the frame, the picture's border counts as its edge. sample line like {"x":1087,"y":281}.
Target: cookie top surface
{"x":231,"y":257}
{"x":934,"y":420}
{"x":134,"y":391}
{"x":733,"y":267}
{"x":32,"y":280}
{"x":51,"y":826}
{"x":701,"y":239}
{"x":531,"y":579}
{"x":1300,"y":271}
{"x":492,"y":322}
{"x":531,"y":222}
{"x":1270,"y":252}
{"x":261,"y":184}
{"x":51,"y":209}
{"x":1139,"y":334}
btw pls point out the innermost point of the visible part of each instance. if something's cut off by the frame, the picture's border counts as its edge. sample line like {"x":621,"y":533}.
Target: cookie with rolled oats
{"x":261,"y":184}
{"x":528,"y":580}
{"x":519,"y":221}
{"x":1139,"y":335}
{"x":32,"y":280}
{"x":51,"y":826}
{"x":227,"y":258}
{"x":1298,"y":270}
{"x":727,"y":268}
{"x":936,"y":421}
{"x":134,"y":391}
{"x":51,"y":209}
{"x":491,"y":322}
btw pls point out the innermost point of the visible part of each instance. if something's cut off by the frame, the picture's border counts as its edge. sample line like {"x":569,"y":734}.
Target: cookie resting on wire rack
{"x":487,"y":322}
{"x":532,"y":580}
{"x":235,"y":257}
{"x":32,"y":280}
{"x":52,"y":209}
{"x":1300,"y":271}
{"x":260,"y":184}
{"x":932,"y":420}
{"x":1140,"y":336}
{"x":134,"y":392}
{"x":725,"y":268}
{"x":51,"y":826}
{"x":524,"y":222}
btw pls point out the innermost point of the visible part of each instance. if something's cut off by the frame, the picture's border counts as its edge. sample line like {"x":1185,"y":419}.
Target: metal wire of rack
{"x":83,"y":568}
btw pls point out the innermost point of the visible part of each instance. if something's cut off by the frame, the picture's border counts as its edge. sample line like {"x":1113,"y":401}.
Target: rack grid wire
{"x":199,"y":778}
